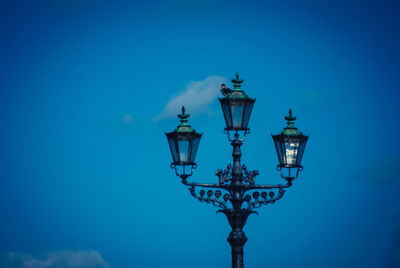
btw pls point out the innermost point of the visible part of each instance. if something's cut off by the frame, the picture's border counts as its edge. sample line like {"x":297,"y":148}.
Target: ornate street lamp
{"x":290,"y":145}
{"x":236,"y":193}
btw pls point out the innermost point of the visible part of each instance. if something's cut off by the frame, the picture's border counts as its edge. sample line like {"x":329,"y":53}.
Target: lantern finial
{"x":183,"y":117}
{"x":237,"y":82}
{"x":290,"y":120}
{"x":290,"y":129}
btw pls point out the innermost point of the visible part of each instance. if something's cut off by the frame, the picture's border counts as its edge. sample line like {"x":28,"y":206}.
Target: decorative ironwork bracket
{"x":254,"y":201}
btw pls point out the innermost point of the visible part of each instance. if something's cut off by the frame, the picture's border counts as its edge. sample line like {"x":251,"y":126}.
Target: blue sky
{"x":88,"y":88}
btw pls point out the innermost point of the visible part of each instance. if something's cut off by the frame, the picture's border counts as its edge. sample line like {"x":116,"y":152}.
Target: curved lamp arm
{"x":267,"y":186}
{"x":205,"y":185}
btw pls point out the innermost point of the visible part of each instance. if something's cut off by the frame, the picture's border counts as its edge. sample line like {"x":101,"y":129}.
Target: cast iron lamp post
{"x":236,"y":183}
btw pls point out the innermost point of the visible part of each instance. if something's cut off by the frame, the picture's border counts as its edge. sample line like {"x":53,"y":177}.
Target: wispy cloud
{"x":54,"y":259}
{"x":197,"y":97}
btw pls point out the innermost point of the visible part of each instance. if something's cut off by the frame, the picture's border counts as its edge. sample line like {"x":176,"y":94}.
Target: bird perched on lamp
{"x":225,"y":90}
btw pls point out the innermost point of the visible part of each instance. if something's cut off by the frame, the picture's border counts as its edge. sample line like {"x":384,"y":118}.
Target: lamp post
{"x":236,"y":193}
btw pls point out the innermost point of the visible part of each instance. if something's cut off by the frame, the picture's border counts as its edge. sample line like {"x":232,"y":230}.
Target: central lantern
{"x":237,"y":107}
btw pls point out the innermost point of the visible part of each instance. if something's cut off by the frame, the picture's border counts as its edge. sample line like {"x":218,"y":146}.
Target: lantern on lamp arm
{"x":183,"y":143}
{"x":290,"y":145}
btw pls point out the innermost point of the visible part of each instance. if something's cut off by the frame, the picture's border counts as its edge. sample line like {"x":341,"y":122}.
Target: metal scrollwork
{"x":211,"y":196}
{"x":262,"y":198}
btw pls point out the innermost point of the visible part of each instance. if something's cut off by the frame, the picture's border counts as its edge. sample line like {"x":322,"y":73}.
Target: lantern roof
{"x":290,"y":129}
{"x":184,"y":127}
{"x":237,"y":92}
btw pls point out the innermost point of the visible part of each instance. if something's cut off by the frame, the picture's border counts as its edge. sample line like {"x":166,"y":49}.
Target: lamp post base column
{"x":237,"y":239}
{"x":237,"y":219}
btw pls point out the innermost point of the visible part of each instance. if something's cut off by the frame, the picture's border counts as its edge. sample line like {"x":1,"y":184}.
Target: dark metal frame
{"x":237,"y":185}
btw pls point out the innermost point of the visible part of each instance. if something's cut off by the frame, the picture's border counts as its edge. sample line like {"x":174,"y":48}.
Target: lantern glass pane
{"x":183,"y":150}
{"x":302,"y":146}
{"x":279,"y":150}
{"x":291,"y":149}
{"x":227,"y":113}
{"x":247,"y":113}
{"x":237,"y":115}
{"x":195,"y":145}
{"x":173,"y":147}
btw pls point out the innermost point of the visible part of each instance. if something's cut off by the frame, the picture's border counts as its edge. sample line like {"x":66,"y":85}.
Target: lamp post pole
{"x":236,"y":216}
{"x":241,"y":195}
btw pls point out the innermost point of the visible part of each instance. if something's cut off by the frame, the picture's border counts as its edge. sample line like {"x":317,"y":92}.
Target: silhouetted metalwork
{"x":236,"y":194}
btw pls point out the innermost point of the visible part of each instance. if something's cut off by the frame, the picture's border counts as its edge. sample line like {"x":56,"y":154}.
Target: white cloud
{"x":55,"y":259}
{"x":196,"y":98}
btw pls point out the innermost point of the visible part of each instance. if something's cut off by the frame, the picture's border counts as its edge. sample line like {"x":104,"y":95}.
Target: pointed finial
{"x":183,"y":116}
{"x":236,"y":82}
{"x":290,"y":129}
{"x":290,"y":119}
{"x":184,"y":127}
